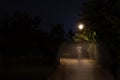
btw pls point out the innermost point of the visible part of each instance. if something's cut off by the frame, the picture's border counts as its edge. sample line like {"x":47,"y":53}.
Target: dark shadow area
{"x":31,"y":48}
{"x":25,"y":51}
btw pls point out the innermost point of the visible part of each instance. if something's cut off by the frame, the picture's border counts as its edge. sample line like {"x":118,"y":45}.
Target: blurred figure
{"x":79,"y":53}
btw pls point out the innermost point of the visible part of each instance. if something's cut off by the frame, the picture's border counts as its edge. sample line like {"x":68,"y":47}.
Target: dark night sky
{"x":51,"y":11}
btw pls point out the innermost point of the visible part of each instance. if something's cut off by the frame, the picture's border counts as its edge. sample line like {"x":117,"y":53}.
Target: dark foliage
{"x":103,"y":16}
{"x":20,"y":38}
{"x":70,"y":35}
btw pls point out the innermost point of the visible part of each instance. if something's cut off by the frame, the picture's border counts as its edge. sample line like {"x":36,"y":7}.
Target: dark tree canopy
{"x":70,"y":35}
{"x":57,"y":32}
{"x":103,"y":16}
{"x":21,"y":38}
{"x":17,"y":33}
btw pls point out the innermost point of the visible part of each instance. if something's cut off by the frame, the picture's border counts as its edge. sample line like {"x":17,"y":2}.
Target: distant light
{"x":81,"y":26}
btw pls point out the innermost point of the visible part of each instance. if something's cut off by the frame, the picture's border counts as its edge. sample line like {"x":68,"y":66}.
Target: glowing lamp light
{"x":81,"y":26}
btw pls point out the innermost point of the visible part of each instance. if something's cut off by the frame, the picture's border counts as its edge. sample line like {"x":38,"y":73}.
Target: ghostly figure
{"x":79,"y":53}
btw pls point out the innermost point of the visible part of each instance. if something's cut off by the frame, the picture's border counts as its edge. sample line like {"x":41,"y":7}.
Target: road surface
{"x":72,"y":69}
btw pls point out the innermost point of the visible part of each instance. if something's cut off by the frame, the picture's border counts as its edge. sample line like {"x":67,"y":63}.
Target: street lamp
{"x":81,"y":26}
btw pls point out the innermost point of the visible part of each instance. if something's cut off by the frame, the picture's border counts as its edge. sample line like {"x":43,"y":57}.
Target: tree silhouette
{"x":17,"y":32}
{"x":103,"y":17}
{"x":57,"y":36}
{"x":57,"y":32}
{"x":70,"y":35}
